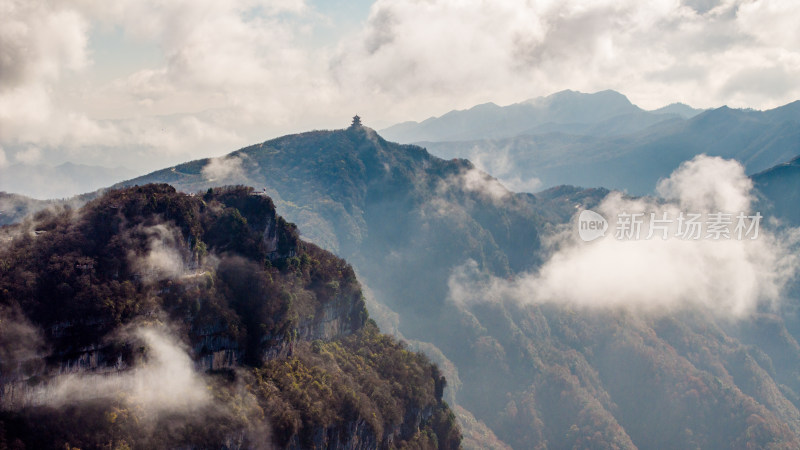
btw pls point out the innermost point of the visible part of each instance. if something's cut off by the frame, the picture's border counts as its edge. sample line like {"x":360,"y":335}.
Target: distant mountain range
{"x":602,"y":113}
{"x":520,"y":374}
{"x":603,"y":140}
{"x":65,"y":180}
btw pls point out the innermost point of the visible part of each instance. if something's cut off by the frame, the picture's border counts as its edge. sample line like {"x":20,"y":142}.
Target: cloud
{"x":760,"y":82}
{"x":499,"y":163}
{"x":229,"y":47}
{"x":224,"y":74}
{"x":163,"y":260}
{"x":708,"y":184}
{"x":236,"y":66}
{"x":224,"y":168}
{"x":3,"y":160}
{"x":165,"y":381}
{"x":156,"y":397}
{"x":22,"y":346}
{"x":457,"y":54}
{"x":468,"y":180}
{"x":39,"y":40}
{"x":729,"y":277}
{"x":474,"y":180}
{"x":30,"y":155}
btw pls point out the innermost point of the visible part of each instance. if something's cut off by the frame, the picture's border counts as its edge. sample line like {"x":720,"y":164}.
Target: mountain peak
{"x":681,"y":109}
{"x":489,"y":120}
{"x":570,"y":95}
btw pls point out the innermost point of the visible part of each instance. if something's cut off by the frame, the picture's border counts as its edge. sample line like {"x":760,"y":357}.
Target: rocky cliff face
{"x":238,"y":299}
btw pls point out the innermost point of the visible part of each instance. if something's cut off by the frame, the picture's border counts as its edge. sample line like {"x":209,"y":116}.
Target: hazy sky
{"x":148,"y":83}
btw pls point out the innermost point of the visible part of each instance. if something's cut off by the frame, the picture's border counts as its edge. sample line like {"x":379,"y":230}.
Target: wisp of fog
{"x":165,"y":382}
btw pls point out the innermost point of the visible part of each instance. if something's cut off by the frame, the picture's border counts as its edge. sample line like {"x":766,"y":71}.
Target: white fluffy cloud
{"x":39,"y":42}
{"x":227,"y":169}
{"x":474,"y":180}
{"x":731,"y":277}
{"x":707,"y":184}
{"x":498,"y":163}
{"x":228,"y":70}
{"x":702,"y":53}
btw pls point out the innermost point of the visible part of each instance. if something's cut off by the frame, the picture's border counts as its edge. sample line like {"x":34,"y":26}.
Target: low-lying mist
{"x":159,"y":401}
{"x":164,"y":381}
{"x":729,"y":277}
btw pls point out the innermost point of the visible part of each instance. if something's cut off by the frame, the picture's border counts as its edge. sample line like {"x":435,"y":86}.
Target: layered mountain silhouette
{"x":523,"y":374}
{"x":601,"y":113}
{"x":614,"y":144}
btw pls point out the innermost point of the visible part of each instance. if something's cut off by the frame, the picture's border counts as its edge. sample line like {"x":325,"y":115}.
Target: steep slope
{"x":150,"y":318}
{"x":536,"y":375}
{"x":780,"y":188}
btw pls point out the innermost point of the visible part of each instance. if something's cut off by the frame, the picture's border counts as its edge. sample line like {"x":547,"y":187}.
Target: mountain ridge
{"x":634,"y":161}
{"x":567,"y":110}
{"x":408,"y":221}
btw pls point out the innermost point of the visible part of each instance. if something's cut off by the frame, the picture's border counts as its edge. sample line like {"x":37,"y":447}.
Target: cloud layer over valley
{"x":730,"y":277}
